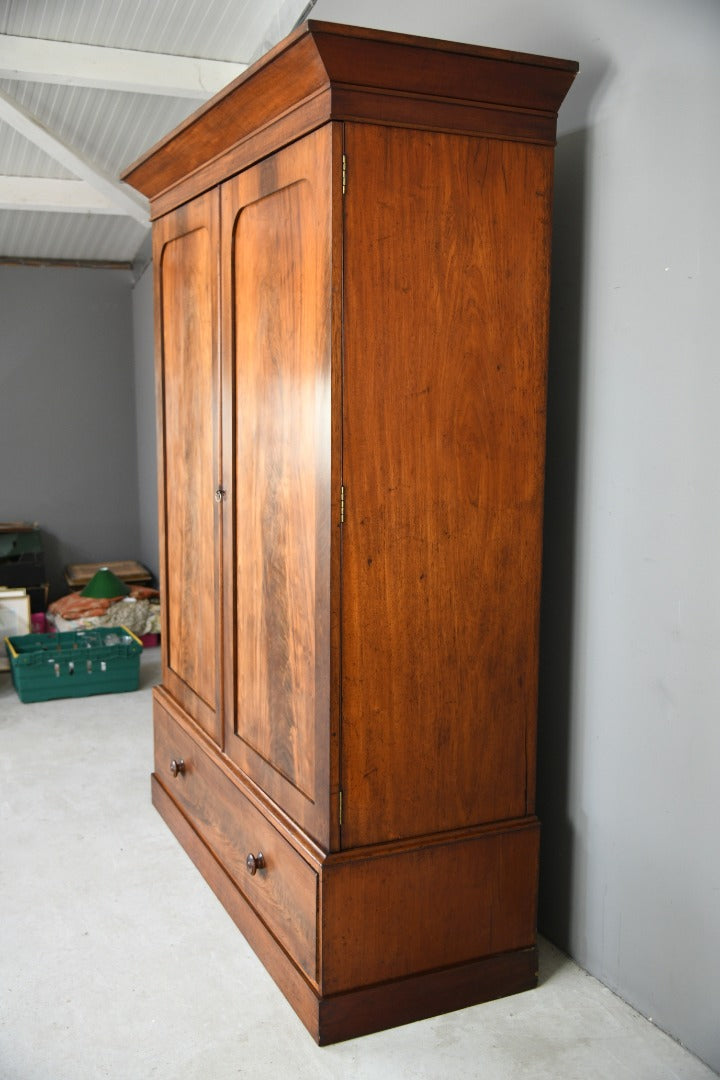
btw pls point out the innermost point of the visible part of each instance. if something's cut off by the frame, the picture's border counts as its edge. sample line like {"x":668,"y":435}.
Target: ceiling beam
{"x":40,"y":60}
{"x":48,"y":194}
{"x":123,"y":198}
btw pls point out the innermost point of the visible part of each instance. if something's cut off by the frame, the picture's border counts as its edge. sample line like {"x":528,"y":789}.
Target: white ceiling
{"x":86,"y":86}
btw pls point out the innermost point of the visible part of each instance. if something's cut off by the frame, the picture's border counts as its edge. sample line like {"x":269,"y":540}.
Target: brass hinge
{"x":342,"y":504}
{"x":344,"y":174}
{"x":340,"y":803}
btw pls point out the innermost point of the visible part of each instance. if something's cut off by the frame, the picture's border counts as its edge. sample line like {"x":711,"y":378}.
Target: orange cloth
{"x":77,"y":606}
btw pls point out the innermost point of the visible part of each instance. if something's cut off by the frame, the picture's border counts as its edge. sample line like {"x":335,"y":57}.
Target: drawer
{"x":283,"y":890}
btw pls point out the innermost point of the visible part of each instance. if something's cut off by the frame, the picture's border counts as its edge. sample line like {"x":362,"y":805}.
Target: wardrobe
{"x":351,"y":249}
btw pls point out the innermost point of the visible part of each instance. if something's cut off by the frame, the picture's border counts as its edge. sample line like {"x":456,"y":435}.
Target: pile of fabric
{"x":139,"y":611}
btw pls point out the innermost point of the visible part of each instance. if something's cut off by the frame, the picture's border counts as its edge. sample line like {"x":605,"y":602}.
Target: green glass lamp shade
{"x":104,"y":585}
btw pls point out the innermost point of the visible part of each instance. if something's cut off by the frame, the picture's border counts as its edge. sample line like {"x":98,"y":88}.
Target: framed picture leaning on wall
{"x":14,"y":619}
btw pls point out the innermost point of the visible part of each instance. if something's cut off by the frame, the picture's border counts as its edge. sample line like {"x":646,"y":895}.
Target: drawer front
{"x":283,"y":887}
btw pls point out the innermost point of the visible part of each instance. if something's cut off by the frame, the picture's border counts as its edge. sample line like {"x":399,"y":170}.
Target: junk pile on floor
{"x":108,"y":601}
{"x":96,"y":636}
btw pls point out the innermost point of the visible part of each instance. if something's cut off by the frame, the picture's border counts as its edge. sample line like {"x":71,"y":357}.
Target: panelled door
{"x":185,"y":251}
{"x":277,"y":261}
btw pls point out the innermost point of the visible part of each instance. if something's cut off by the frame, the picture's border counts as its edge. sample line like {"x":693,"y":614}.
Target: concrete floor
{"x":117,"y":961}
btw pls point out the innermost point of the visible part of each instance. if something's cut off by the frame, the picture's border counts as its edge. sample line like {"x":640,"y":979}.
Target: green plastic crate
{"x":105,"y":660}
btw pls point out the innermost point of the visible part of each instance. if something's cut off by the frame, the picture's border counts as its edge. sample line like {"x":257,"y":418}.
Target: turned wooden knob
{"x":177,"y":766}
{"x":255,"y":862}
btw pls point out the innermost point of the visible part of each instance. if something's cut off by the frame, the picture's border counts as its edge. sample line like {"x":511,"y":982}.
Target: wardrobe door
{"x":185,"y":252}
{"x":277,"y":279}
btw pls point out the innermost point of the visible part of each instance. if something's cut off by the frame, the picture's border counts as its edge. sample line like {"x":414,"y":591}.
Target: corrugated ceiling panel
{"x":107,"y":126}
{"x":20,"y":157}
{"x":215,"y":29}
{"x":90,"y":237}
{"x":111,"y":128}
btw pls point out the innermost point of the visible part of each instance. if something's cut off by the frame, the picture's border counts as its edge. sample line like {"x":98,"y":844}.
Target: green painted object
{"x":104,"y":585}
{"x":78,"y":663}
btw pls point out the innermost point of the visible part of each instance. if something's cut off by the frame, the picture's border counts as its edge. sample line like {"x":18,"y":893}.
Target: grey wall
{"x":68,"y":442}
{"x":142,"y":317}
{"x":630,"y":693}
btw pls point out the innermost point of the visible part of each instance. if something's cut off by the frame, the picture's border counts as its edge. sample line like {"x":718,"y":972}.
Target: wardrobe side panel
{"x":446,"y":289}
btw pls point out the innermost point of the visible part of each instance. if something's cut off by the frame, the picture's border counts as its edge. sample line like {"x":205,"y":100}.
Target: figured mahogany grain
{"x":376,"y":676}
{"x":277,"y":239}
{"x":284,"y":892}
{"x":254,"y":100}
{"x":402,"y":1001}
{"x":314,"y":75}
{"x":287,"y":975}
{"x":433,"y":68}
{"x":447,"y":243}
{"x":380,"y":911}
{"x":365,"y":1009}
{"x":185,"y":252}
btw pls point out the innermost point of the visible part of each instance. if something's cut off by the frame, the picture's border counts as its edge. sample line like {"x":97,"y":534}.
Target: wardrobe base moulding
{"x":363,"y":939}
{"x":367,"y":1009}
